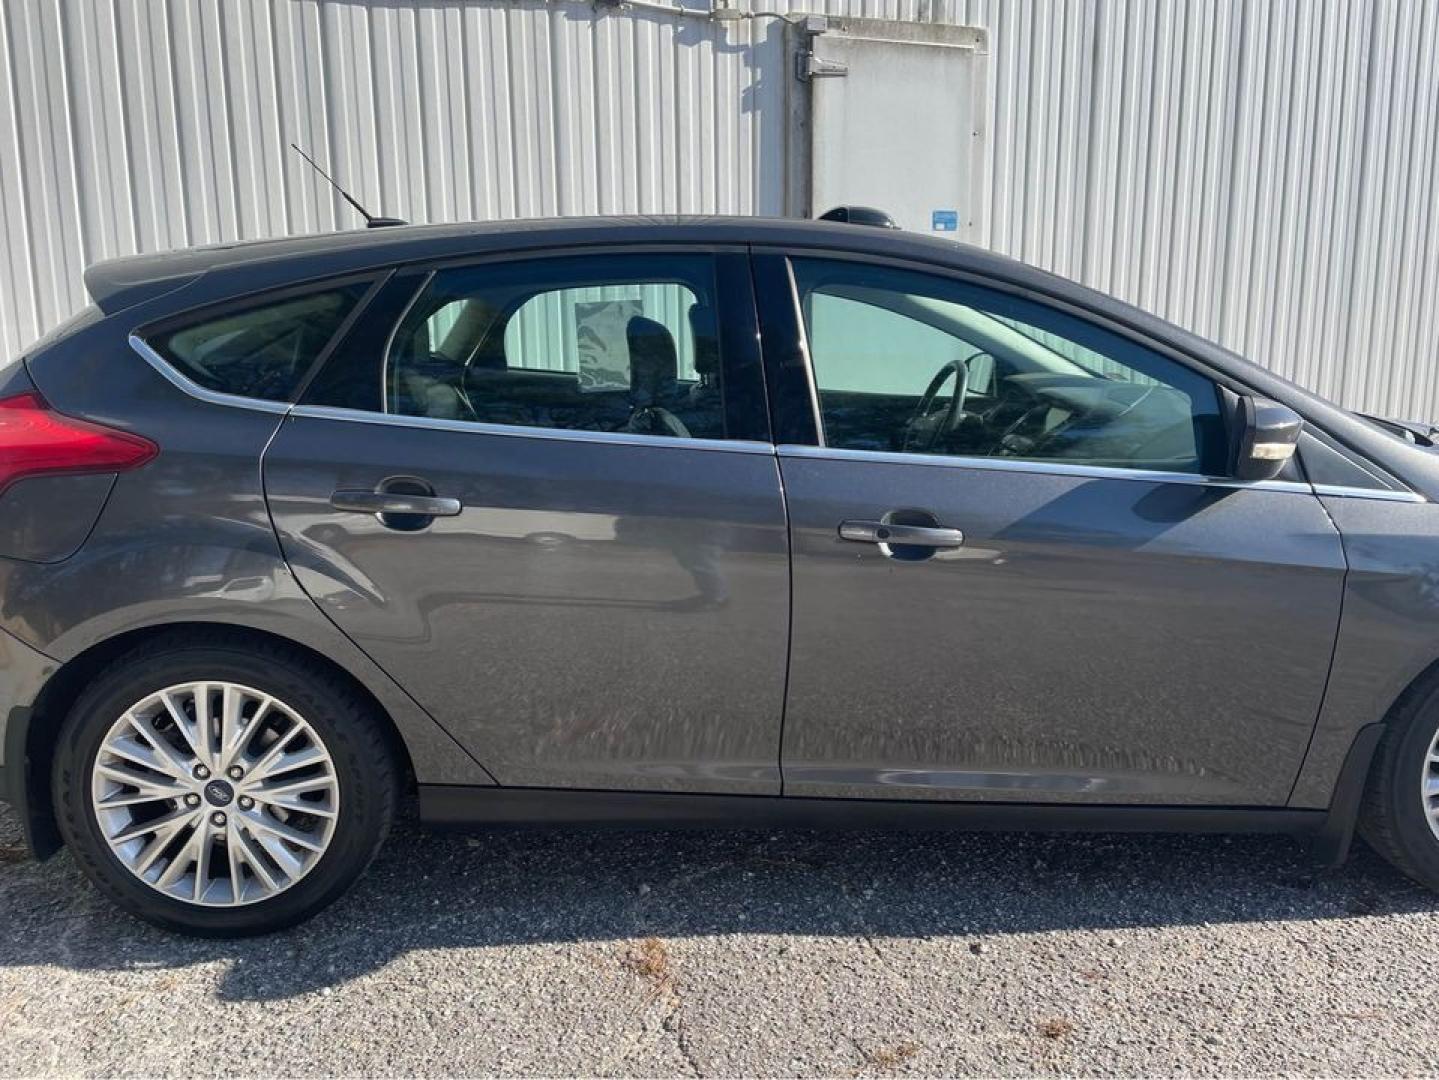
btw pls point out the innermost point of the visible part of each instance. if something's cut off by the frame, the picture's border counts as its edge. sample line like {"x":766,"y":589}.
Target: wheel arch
{"x":1354,"y":777}
{"x":45,"y":718}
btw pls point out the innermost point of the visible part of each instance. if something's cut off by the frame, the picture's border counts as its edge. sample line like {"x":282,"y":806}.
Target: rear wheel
{"x":1400,"y":816}
{"x":223,"y":789}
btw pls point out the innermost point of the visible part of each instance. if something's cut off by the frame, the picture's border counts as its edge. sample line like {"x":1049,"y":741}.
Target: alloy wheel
{"x":215,"y":794}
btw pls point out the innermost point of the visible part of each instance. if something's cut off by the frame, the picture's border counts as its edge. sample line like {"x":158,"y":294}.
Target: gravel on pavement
{"x":767,"y":954}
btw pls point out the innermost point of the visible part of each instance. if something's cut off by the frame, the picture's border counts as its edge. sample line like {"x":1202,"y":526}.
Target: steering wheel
{"x":1014,"y":442}
{"x":924,"y":431}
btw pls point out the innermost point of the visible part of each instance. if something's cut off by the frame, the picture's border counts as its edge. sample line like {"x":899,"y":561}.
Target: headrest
{"x":706,"y":337}
{"x":654,"y":365}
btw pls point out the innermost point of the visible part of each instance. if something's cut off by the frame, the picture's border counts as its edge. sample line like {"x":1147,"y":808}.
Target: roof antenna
{"x":371,"y":222}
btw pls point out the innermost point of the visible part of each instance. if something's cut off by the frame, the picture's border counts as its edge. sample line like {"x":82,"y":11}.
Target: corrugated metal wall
{"x":1263,"y":172}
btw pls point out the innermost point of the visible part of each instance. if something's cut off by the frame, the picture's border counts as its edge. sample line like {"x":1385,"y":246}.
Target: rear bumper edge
{"x":24,"y":671}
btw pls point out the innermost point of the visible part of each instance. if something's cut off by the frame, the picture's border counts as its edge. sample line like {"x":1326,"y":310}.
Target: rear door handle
{"x":388,"y":502}
{"x":877,"y":532}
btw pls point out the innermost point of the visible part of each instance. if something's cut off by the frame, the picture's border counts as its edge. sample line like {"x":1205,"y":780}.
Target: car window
{"x":260,"y":351}
{"x":849,"y":333}
{"x":615,"y":343}
{"x":909,"y":362}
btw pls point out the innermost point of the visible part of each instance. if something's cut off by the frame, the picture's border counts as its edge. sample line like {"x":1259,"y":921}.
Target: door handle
{"x":394,"y":502}
{"x":878,"y":532}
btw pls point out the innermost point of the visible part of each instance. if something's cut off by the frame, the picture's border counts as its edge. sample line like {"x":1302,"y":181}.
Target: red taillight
{"x":34,"y":441}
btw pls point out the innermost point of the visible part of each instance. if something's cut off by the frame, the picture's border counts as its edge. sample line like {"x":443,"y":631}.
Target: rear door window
{"x":262,"y":350}
{"x":622,"y":343}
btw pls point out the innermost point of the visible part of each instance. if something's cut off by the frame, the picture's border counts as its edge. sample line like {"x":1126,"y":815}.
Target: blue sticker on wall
{"x":944,"y":220}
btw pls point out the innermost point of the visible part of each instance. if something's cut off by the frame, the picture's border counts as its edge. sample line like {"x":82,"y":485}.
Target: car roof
{"x":118,"y":283}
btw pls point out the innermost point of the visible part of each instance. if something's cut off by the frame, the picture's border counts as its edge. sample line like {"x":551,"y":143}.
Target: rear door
{"x":541,"y":493}
{"x":1018,"y":570}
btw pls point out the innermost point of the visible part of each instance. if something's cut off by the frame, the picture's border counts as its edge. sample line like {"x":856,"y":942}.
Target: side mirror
{"x":1268,"y":433}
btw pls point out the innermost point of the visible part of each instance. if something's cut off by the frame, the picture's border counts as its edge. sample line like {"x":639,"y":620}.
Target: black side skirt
{"x":1330,"y":831}
{"x":442,"y":804}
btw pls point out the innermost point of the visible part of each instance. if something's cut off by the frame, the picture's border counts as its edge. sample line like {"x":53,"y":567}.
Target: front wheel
{"x":223,"y":789}
{"x":1400,"y":815}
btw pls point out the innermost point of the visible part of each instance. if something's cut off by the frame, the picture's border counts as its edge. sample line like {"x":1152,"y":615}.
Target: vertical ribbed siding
{"x":1262,"y":172}
{"x":140,"y":125}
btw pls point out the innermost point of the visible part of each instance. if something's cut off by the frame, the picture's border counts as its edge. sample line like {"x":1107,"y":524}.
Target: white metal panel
{"x":865,"y":126}
{"x":1262,"y":171}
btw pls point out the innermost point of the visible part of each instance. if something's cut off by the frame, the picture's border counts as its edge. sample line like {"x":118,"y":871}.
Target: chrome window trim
{"x":195,"y":390}
{"x":618,"y":438}
{"x":1095,"y":472}
{"x":745,"y":446}
{"x":1344,"y":491}
{"x":1046,"y":468}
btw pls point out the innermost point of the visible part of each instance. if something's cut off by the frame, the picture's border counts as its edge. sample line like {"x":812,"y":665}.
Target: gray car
{"x":683,"y":521}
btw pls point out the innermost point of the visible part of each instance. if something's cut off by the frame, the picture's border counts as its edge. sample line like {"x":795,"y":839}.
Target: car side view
{"x":686,"y":521}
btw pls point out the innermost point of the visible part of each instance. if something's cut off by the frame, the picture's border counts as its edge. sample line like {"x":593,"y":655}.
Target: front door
{"x":541,"y":494}
{"x":1015,"y":573}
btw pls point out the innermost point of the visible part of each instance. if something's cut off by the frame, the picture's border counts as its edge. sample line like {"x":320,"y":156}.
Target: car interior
{"x":260,"y":352}
{"x":590,"y":359}
{"x":1001,"y":391}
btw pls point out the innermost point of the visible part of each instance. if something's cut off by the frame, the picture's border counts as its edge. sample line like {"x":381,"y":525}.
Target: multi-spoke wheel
{"x":1400,"y":816}
{"x":215,"y":793}
{"x":224,"y":790}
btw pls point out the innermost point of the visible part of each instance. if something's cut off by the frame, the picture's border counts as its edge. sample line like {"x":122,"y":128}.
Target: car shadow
{"x":448,"y":890}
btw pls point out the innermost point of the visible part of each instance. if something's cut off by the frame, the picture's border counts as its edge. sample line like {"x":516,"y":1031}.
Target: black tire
{"x":1394,"y":819}
{"x":344,"y":720}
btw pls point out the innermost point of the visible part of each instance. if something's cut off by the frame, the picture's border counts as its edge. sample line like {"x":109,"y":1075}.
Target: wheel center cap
{"x":219,"y":793}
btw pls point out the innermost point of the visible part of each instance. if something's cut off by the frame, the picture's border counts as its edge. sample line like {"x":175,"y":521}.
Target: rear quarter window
{"x":263,"y":350}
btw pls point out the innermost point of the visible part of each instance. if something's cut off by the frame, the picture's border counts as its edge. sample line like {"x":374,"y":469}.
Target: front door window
{"x":913,"y":363}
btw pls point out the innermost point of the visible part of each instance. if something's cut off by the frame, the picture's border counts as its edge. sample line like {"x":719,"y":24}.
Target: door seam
{"x":789,"y":616}
{"x":1333,"y":652}
{"x":285,"y":561}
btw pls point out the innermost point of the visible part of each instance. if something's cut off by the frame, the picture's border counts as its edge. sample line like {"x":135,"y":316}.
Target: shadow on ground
{"x":445,"y":890}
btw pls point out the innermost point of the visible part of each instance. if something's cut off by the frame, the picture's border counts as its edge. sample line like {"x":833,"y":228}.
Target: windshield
{"x":1028,"y":348}
{"x":1070,"y":351}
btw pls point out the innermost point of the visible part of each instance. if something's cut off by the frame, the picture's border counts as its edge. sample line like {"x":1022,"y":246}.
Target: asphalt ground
{"x":714,"y":954}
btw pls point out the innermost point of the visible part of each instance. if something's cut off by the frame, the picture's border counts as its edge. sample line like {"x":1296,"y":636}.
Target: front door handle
{"x":395,"y":502}
{"x":879,"y":532}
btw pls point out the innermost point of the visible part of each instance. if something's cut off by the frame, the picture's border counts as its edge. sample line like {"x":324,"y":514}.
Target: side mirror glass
{"x":1268,"y":433}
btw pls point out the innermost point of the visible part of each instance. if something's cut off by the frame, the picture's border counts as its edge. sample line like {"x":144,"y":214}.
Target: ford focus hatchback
{"x":690,"y":521}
